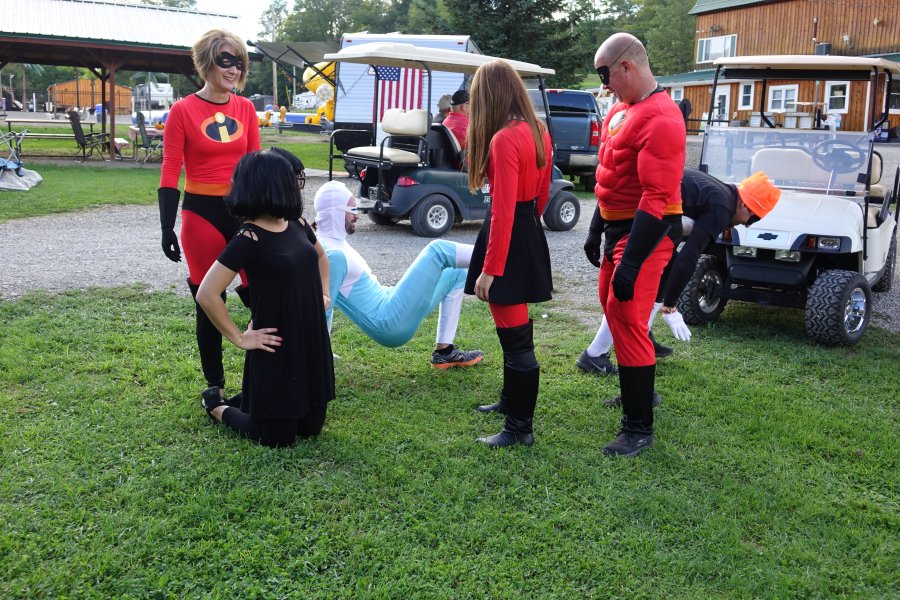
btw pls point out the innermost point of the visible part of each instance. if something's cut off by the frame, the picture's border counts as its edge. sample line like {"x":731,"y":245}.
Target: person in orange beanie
{"x":712,"y":206}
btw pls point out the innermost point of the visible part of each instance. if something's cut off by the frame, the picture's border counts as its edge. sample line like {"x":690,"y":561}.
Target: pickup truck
{"x":576,"y":131}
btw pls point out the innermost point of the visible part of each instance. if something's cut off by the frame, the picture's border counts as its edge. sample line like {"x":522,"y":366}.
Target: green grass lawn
{"x":775,"y":472}
{"x":68,"y":187}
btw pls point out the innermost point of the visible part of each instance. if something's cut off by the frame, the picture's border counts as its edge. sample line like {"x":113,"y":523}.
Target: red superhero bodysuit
{"x":641,"y":159}
{"x":519,"y":193}
{"x":207,"y":139}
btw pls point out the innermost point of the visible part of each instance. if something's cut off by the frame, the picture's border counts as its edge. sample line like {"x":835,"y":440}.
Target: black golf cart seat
{"x":443,"y":148}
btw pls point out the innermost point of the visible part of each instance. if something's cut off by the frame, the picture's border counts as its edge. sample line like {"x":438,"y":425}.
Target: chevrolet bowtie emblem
{"x":767,"y":236}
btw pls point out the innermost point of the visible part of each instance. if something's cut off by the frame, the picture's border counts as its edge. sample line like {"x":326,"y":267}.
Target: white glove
{"x":676,"y":323}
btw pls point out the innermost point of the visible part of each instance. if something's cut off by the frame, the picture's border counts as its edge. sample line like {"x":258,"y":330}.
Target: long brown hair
{"x":497,"y":96}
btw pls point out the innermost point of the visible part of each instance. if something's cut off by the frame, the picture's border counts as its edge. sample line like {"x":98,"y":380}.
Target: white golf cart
{"x":831,"y":239}
{"x":415,"y":170}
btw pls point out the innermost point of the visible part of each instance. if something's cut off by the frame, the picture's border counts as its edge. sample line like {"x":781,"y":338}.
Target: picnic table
{"x":10,"y":121}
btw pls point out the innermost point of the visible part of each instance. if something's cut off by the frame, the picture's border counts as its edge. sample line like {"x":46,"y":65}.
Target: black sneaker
{"x":600,"y":365}
{"x":628,"y":444}
{"x":617,"y":401}
{"x":455,"y":358}
{"x":658,"y":349}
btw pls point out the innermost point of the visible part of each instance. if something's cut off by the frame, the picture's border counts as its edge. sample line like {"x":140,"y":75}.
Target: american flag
{"x":400,"y":88}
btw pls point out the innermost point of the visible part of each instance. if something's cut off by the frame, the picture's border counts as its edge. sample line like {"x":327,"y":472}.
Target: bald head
{"x":622,"y":46}
{"x":624,"y":67}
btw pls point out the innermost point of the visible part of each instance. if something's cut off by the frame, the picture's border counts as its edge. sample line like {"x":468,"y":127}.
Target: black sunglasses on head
{"x":603,"y":71}
{"x":226,"y":60}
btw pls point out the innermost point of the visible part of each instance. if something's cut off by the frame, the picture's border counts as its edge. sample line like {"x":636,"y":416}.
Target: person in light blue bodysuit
{"x":390,"y":315}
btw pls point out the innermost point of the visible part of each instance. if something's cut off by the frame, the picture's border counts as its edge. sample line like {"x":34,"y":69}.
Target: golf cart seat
{"x":404,"y":143}
{"x":443,"y":148}
{"x":793,"y":167}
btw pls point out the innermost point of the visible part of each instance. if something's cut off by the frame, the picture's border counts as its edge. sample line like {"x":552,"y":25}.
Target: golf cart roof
{"x":392,"y":54}
{"x":792,"y":65}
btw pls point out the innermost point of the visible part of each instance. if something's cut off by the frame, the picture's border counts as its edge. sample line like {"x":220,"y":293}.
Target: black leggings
{"x":276,"y":433}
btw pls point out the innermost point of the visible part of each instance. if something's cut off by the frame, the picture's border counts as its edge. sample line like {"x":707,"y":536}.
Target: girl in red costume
{"x":511,"y":262}
{"x":206,"y":133}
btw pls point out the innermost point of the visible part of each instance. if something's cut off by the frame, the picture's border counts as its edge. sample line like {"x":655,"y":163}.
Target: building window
{"x":677,"y":94}
{"x":783,"y":98}
{"x":709,"y":49}
{"x":745,"y":96}
{"x":894,"y":107}
{"x":837,"y":96}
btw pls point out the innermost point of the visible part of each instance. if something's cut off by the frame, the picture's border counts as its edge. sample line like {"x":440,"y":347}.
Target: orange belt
{"x":207,"y":189}
{"x":628,"y":213}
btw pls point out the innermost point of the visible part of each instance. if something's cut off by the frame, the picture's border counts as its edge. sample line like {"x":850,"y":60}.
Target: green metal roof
{"x":702,"y":76}
{"x":705,"y":6}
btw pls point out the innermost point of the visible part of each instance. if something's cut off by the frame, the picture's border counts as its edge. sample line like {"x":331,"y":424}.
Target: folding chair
{"x":150,"y":148}
{"x":87,"y":143}
{"x":12,"y":142}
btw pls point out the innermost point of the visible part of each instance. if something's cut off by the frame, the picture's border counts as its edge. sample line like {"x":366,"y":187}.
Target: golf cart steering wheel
{"x":838,"y":157}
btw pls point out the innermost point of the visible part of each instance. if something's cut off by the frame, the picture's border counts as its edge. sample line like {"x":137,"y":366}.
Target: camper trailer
{"x":401,"y":88}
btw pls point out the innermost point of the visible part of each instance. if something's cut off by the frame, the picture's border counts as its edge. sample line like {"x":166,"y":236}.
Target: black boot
{"x":636,"y":435}
{"x":521,"y":381}
{"x":517,"y":427}
{"x":658,"y":349}
{"x":631,"y":441}
{"x":617,"y":401}
{"x":500,"y":405}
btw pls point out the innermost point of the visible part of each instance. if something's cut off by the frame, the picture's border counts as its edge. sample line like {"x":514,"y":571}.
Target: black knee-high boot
{"x":500,"y":406}
{"x":636,"y":435}
{"x":521,"y":381}
{"x":209,"y":342}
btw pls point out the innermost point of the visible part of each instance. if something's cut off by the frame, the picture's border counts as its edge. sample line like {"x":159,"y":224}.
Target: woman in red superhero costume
{"x":641,"y":159}
{"x":510,"y":264}
{"x":206,"y":133}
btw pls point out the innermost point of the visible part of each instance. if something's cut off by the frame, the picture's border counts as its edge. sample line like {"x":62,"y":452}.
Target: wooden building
{"x":754,"y":27}
{"x":82,"y":93}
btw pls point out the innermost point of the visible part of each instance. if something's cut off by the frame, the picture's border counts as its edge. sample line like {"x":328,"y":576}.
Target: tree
{"x":526,"y":30}
{"x":192,"y":4}
{"x":667,"y":30}
{"x":427,"y":16}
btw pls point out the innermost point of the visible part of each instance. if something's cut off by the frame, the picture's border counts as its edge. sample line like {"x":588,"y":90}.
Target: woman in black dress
{"x":288,"y":371}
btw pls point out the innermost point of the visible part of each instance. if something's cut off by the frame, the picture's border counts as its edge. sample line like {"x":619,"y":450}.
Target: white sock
{"x":463,"y":255}
{"x":656,"y":307}
{"x":448,"y":316}
{"x":602,"y":341}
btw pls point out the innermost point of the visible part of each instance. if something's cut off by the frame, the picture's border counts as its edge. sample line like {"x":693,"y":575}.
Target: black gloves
{"x":168,"y":210}
{"x":646,"y":233}
{"x":592,"y":248}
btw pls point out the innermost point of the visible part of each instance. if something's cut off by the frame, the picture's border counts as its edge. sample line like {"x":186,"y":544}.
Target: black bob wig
{"x":264,"y":183}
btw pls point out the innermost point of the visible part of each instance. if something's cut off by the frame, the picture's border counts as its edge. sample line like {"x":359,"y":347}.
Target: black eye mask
{"x":226,"y":60}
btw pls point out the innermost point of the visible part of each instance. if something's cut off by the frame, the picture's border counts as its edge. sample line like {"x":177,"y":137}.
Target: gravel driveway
{"x":118,"y":245}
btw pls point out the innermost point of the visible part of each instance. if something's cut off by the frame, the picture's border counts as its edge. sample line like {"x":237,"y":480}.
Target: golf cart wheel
{"x":380,"y":219}
{"x":433,"y":216}
{"x":886,"y":281}
{"x":700,"y":302}
{"x":562,"y":211}
{"x":838,"y":308}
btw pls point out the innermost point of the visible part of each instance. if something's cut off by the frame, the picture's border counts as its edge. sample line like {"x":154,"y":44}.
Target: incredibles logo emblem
{"x":222,"y":128}
{"x":616,"y":122}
